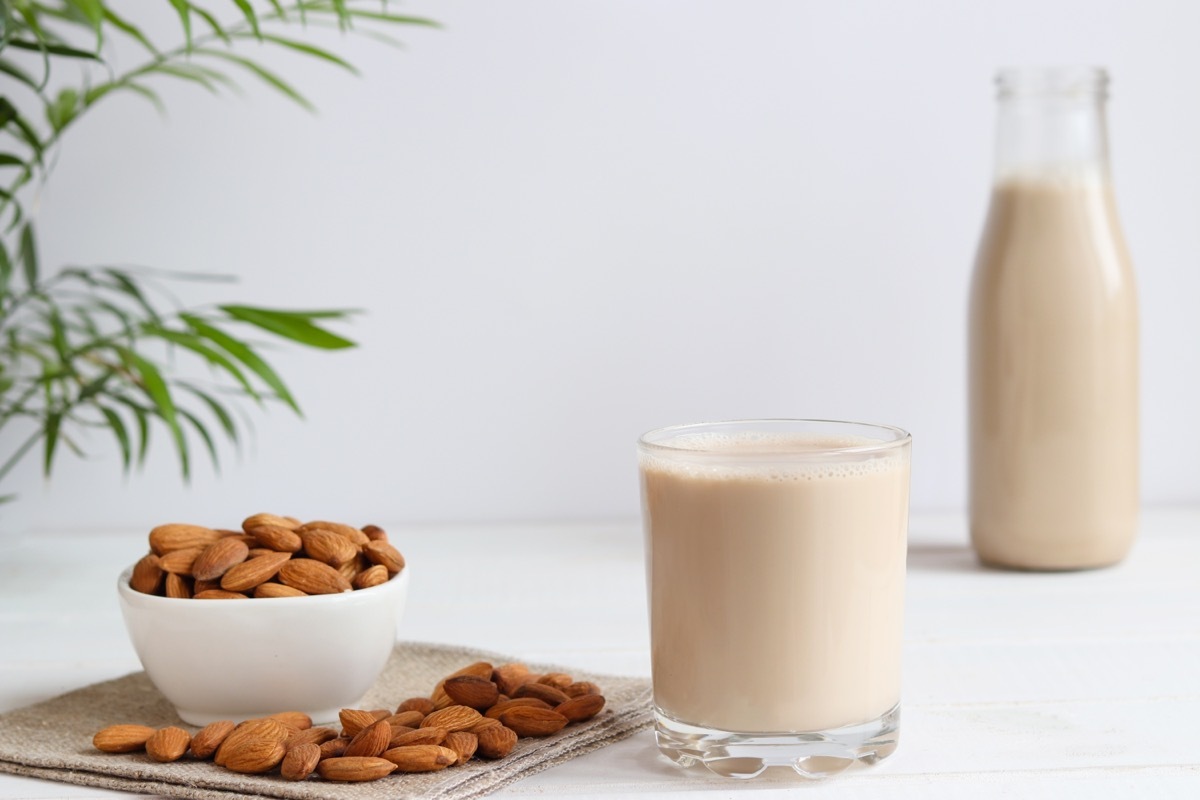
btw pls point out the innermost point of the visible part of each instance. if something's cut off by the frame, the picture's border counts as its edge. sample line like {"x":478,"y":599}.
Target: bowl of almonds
{"x":281,"y":614}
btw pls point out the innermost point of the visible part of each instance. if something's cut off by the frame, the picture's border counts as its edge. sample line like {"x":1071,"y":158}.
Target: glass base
{"x":815,"y":754}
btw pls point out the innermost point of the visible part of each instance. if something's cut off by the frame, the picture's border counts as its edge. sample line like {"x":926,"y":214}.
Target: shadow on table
{"x":930,"y":557}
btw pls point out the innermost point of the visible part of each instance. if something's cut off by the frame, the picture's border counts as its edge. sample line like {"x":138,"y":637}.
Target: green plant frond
{"x":184,"y":10}
{"x":205,"y":436}
{"x":217,"y":29}
{"x":156,"y":389}
{"x":243,"y":353}
{"x":288,"y":325}
{"x":219,"y":411}
{"x":268,"y":77}
{"x":130,"y":30}
{"x":306,"y":49}
{"x":117,"y":425}
{"x":250,"y":15}
{"x":197,"y":345}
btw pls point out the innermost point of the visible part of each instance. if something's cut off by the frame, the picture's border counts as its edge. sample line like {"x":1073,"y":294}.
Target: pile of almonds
{"x":480,"y":710}
{"x":271,"y":556}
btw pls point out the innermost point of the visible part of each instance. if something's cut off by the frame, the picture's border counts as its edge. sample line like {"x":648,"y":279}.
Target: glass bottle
{"x":1053,"y":337}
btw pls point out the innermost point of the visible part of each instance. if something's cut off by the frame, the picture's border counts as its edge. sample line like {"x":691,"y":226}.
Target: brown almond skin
{"x":419,"y":736}
{"x":272,"y":589}
{"x":375,"y":533}
{"x":218,"y":594}
{"x":422,"y":704}
{"x":317,"y":736}
{"x":495,"y":711}
{"x":559,"y":680}
{"x":354,"y":768}
{"x":354,"y":720}
{"x":300,"y":761}
{"x":122,"y":738}
{"x":205,"y":586}
{"x":380,"y":552}
{"x":209,"y":738}
{"x":348,"y":532}
{"x":313,"y":577}
{"x":495,"y":741}
{"x":277,"y":538}
{"x":547,"y":694}
{"x":168,"y":744}
{"x":258,"y":520}
{"x":180,"y":562}
{"x":334,"y":747}
{"x":510,"y":677}
{"x":410,"y":718}
{"x":256,"y":757}
{"x":528,"y":721}
{"x":421,"y":757}
{"x":371,"y":740}
{"x":472,"y":691}
{"x":296,"y":720}
{"x":216,"y":559}
{"x":147,"y":575}
{"x":372,"y":576}
{"x":486,"y":722}
{"x":328,"y":547}
{"x":177,"y":536}
{"x":452,"y":718}
{"x":176,"y":586}
{"x":249,"y":574}
{"x":581,"y":687}
{"x":581,"y":708}
{"x":250,"y":732}
{"x":463,"y":743}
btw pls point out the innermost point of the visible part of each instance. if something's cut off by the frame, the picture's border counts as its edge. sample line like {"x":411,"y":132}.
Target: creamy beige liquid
{"x":776,"y":592}
{"x":1053,"y":378}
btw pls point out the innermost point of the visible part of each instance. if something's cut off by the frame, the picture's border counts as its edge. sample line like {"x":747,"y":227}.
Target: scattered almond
{"x":410,"y":718}
{"x":168,"y":744}
{"x":421,"y":757}
{"x":510,"y":677}
{"x":472,"y":691}
{"x":495,"y":741}
{"x":581,"y":708}
{"x":452,"y":718}
{"x":419,"y":736}
{"x":581,"y":687}
{"x":463,"y":743}
{"x":541,"y":691}
{"x":122,"y":738}
{"x":354,"y":720}
{"x":422,"y":704}
{"x":529,"y":721}
{"x":300,"y":761}
{"x":317,"y":736}
{"x":296,"y":720}
{"x":355,"y":769}
{"x":209,"y":738}
{"x":495,"y":711}
{"x":334,"y":747}
{"x":371,"y":740}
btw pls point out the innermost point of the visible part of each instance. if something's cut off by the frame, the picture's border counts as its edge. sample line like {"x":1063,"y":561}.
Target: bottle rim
{"x":1054,"y":82}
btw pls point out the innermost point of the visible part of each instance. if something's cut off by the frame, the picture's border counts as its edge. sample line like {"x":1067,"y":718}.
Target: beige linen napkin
{"x":53,"y":739}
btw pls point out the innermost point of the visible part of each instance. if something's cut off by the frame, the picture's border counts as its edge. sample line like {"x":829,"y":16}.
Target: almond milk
{"x":776,"y":579}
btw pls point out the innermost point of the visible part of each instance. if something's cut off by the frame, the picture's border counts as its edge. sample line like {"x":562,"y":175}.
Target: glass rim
{"x":1052,"y":81}
{"x":899,"y":438}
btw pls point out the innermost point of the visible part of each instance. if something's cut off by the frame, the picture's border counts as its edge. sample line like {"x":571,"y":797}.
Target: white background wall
{"x":570,"y":222}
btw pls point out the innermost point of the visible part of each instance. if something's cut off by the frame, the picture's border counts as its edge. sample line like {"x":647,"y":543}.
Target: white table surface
{"x":1016,"y":685}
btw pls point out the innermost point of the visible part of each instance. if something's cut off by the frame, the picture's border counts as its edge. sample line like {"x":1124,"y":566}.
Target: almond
{"x":355,"y":769}
{"x":249,"y":574}
{"x":380,"y":552}
{"x":248,"y":741}
{"x":529,"y":721}
{"x":179,"y":562}
{"x":452,"y":718}
{"x":254,"y":756}
{"x":348,"y":532}
{"x":176,"y":536}
{"x":471,"y":691}
{"x":559,"y":680}
{"x":317,"y":736}
{"x":581,"y":687}
{"x":410,"y":718}
{"x":204,"y":586}
{"x":122,"y":738}
{"x":146,"y":575}
{"x":580,"y":708}
{"x":531,"y":702}
{"x":421,"y":757}
{"x":510,"y":677}
{"x":312,"y":577}
{"x":372,"y":576}
{"x":296,"y":720}
{"x":495,"y":741}
{"x":168,"y":744}
{"x":371,"y":740}
{"x":422,"y":704}
{"x":300,"y":761}
{"x":258,"y":520}
{"x":272,"y":589}
{"x":463,"y":743}
{"x":218,"y":594}
{"x":334,"y":747}
{"x":419,"y":736}
{"x":177,"y":587}
{"x":486,"y":722}
{"x":218,"y":557}
{"x":255,"y":552}
{"x":328,"y":547}
{"x":209,"y":738}
{"x":277,"y":538}
{"x":542,"y":692}
{"x":354,"y":720}
{"x":351,"y":569}
{"x":375,"y":533}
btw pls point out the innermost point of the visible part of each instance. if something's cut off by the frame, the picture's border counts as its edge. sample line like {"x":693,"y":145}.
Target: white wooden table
{"x":1016,"y":685}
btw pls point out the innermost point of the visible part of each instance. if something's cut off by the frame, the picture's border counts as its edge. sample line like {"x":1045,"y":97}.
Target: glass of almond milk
{"x":775,"y":554}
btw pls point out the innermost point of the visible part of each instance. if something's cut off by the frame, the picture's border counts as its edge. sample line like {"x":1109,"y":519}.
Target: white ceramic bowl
{"x":237,"y":659}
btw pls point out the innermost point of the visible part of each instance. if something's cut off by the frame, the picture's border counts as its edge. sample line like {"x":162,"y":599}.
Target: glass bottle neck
{"x":1051,"y":125}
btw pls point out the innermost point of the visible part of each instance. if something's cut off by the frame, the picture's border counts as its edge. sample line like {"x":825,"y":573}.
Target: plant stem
{"x":20,"y":453}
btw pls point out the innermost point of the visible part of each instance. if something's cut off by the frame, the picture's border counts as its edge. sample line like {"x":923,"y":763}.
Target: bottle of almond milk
{"x":1053,"y":337}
